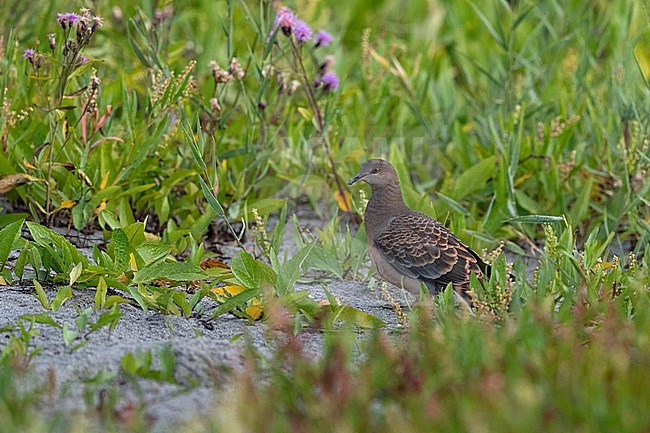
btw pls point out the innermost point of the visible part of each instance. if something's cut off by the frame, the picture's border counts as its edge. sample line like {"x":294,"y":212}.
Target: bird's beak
{"x":356,"y":178}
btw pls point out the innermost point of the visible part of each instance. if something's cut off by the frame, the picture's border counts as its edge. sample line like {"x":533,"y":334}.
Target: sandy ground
{"x":203,"y":350}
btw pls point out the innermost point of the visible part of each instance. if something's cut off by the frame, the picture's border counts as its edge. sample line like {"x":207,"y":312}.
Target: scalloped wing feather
{"x":420,"y":247}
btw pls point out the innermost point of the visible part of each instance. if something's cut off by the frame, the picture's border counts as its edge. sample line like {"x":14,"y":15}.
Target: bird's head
{"x":376,"y":173}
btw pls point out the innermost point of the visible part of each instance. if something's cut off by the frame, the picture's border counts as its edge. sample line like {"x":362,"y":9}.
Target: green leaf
{"x":359,"y":318}
{"x":289,"y":273}
{"x":109,"y":218}
{"x":100,"y":294}
{"x":69,"y":335}
{"x":63,"y":294}
{"x":153,"y":252}
{"x":43,"y":319}
{"x":8,"y":237}
{"x":121,"y":251}
{"x":251,"y":273}
{"x":264,"y":207}
{"x":135,"y":234}
{"x":175,"y":271}
{"x":41,"y":296}
{"x":21,"y":261}
{"x":75,"y":273}
{"x":114,"y":300}
{"x":211,"y":198}
{"x":457,"y":207}
{"x":278,"y":231}
{"x":536,"y":219}
{"x":473,"y":179}
{"x":580,"y":209}
{"x":194,"y":144}
{"x":6,"y":219}
{"x":109,"y":318}
{"x":81,"y":321}
{"x":138,"y":297}
{"x":64,"y":254}
{"x":322,"y":259}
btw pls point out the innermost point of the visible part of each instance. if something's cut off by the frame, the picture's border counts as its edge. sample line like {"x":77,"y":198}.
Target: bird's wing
{"x":420,"y":247}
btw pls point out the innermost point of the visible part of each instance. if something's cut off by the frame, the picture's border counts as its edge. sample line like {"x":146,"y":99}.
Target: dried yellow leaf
{"x":102,"y":185}
{"x":255,"y":311}
{"x":231,"y":290}
{"x":213,"y":263}
{"x":12,"y":181}
{"x":132,"y":262}
{"x":343,"y":200}
{"x":67,"y":204}
{"x":100,"y":207}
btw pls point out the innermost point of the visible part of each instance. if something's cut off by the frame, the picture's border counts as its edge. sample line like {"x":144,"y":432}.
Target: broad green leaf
{"x":135,"y":234}
{"x":81,"y":321}
{"x":180,"y":299}
{"x":252,"y":273}
{"x":153,"y":252}
{"x":289,"y":273}
{"x":121,"y":251}
{"x":8,"y":218}
{"x":351,"y":315}
{"x":75,"y":273}
{"x":35,"y":260}
{"x":473,"y":179}
{"x":42,"y":318}
{"x":324,"y":260}
{"x":21,"y":261}
{"x":100,"y":294}
{"x":109,"y":219}
{"x":63,"y":294}
{"x":61,"y":249}
{"x":40,"y":295}
{"x":69,"y":335}
{"x":8,"y":237}
{"x":174,"y":271}
{"x":114,"y":300}
{"x":138,"y":297}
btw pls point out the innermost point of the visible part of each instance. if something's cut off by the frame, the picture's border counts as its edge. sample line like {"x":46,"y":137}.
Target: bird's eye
{"x":375,"y":170}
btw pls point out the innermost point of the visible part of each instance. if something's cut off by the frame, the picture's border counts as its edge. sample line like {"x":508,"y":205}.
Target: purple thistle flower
{"x":67,"y":19}
{"x":29,"y":54}
{"x":285,"y":19}
{"x":302,"y":31}
{"x":328,"y":80}
{"x":323,"y":38}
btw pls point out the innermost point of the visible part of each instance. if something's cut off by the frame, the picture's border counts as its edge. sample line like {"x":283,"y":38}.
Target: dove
{"x":409,"y":248}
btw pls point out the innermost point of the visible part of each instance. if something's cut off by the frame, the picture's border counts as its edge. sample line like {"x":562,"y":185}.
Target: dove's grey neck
{"x":385,"y":203}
